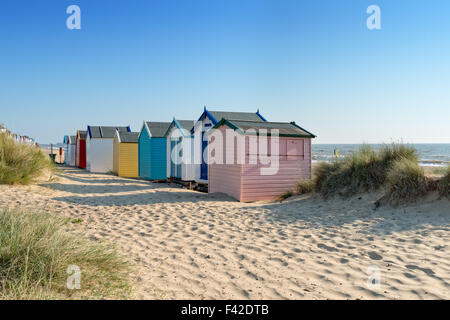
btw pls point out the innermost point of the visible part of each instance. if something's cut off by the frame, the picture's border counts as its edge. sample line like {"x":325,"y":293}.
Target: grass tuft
{"x":36,"y":251}
{"x":286,"y":194}
{"x":21,"y":164}
{"x":444,"y":184}
{"x":304,"y":186}
{"x":363,"y":171}
{"x":406,"y":182}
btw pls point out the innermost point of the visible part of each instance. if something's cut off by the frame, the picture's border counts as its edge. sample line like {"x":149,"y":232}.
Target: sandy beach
{"x":189,"y":245}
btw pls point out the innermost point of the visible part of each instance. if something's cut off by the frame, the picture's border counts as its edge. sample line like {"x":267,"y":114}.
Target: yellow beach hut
{"x":125,"y":154}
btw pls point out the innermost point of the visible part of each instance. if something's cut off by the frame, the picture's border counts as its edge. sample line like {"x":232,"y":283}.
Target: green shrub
{"x":444,"y":184}
{"x":36,"y":250}
{"x":406,"y":182}
{"x":286,"y":194}
{"x":305,"y":186}
{"x":21,"y":164}
{"x":362,"y":171}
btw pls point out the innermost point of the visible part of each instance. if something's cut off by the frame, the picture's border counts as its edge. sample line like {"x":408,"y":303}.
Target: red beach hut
{"x":80,"y":157}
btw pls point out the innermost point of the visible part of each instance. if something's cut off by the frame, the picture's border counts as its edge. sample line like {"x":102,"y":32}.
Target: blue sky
{"x":313,"y":62}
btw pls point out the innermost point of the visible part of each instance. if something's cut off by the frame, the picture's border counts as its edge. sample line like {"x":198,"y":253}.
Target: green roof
{"x":247,"y":116}
{"x":285,"y":129}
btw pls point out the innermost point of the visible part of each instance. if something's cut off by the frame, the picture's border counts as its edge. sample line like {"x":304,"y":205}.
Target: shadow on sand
{"x":103,"y":185}
{"x":313,"y":212}
{"x":146,"y":198}
{"x":108,"y":178}
{"x":98,"y":188}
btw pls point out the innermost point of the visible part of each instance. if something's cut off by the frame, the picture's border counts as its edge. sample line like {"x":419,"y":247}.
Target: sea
{"x":429,"y":154}
{"x":432,"y":154}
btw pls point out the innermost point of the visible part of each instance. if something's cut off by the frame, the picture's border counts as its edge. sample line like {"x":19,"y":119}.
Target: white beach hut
{"x":180,"y":145}
{"x":99,"y":147}
{"x":69,"y":158}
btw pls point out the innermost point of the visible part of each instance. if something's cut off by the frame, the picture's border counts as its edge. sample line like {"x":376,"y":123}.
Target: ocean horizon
{"x":430,"y":154}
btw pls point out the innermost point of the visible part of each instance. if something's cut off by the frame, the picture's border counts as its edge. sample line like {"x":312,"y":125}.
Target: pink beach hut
{"x":252,"y":161}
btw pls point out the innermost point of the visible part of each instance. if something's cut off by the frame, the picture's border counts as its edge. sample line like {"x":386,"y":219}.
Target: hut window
{"x":295,"y":149}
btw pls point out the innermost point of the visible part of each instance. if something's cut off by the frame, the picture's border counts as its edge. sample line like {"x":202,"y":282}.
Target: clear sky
{"x":313,"y":62}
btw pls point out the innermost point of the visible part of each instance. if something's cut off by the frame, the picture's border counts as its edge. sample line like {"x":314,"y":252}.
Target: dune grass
{"x":286,"y":194}
{"x":304,"y":186}
{"x":406,"y":182}
{"x":444,"y":184}
{"x":36,"y":250}
{"x":21,"y":164}
{"x":363,"y":171}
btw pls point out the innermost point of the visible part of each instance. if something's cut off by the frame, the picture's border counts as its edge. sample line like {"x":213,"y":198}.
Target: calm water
{"x":429,"y":154}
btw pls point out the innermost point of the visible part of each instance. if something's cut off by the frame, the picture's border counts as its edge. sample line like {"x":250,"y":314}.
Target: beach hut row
{"x":180,"y":150}
{"x":17,"y":137}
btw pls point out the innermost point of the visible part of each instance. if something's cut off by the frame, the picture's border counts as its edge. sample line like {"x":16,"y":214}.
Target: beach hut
{"x":206,"y":121}
{"x":71,"y":150}
{"x":126,"y":154}
{"x":66,"y":149}
{"x":258,"y":160}
{"x":180,"y":150}
{"x":153,"y":150}
{"x":99,"y":147}
{"x":80,"y":157}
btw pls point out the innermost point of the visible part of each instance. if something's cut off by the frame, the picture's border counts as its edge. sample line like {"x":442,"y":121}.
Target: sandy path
{"x":190,"y":245}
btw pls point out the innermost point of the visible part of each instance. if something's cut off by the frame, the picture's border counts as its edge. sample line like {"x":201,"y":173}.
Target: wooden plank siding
{"x":225,"y":178}
{"x":116,"y":152}
{"x":152,"y":157}
{"x":128,"y":160}
{"x":246,"y":183}
{"x":144,"y":155}
{"x":294,"y":166}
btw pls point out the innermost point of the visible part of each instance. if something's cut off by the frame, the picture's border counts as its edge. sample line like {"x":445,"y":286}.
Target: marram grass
{"x":363,"y":171}
{"x":406,"y":182}
{"x":444,"y":184}
{"x":36,"y":250}
{"x":21,"y":164}
{"x":394,"y":168}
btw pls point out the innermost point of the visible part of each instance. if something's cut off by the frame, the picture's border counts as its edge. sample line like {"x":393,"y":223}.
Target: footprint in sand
{"x":374,"y":256}
{"x":426,"y":270}
{"x":323,"y":246}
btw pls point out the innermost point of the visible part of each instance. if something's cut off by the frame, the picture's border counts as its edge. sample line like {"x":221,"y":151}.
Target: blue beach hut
{"x":153,"y":150}
{"x":207,"y":120}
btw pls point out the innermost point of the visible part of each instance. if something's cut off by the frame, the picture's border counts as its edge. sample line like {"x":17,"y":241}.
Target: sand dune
{"x":190,"y":245}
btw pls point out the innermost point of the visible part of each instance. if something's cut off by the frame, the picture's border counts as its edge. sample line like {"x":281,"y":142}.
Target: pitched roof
{"x":286,"y":129}
{"x":72,"y":139}
{"x":82,"y":134}
{"x":186,"y":124}
{"x":128,"y":137}
{"x":216,"y":116}
{"x":246,"y":116}
{"x":157,"y":129}
{"x":105,"y":132}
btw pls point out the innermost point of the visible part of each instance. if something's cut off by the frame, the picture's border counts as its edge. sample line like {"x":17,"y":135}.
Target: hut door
{"x":179,"y":157}
{"x":204,"y":165}
{"x":173,"y":144}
